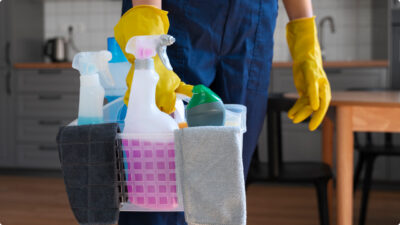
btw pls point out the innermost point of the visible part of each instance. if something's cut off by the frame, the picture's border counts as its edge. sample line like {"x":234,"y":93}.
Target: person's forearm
{"x":156,"y":3}
{"x":297,"y":9}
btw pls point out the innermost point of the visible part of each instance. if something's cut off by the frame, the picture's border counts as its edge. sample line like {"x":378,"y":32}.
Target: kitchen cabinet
{"x":46,"y":100}
{"x":6,"y":153}
{"x":394,"y":45}
{"x":22,"y":28}
{"x":3,"y":95}
{"x":2,"y":37}
{"x":7,"y":138}
{"x":3,"y":48}
{"x":339,"y":78}
{"x":47,"y":81}
{"x":301,"y":145}
{"x":21,"y":40}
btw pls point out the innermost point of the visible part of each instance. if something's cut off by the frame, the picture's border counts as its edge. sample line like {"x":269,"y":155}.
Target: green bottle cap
{"x":202,"y":95}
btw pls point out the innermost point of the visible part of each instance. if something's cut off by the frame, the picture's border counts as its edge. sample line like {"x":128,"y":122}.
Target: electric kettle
{"x":56,"y":49}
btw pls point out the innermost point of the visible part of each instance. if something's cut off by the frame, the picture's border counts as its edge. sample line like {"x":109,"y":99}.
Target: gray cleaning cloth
{"x":89,"y":158}
{"x":210,"y":175}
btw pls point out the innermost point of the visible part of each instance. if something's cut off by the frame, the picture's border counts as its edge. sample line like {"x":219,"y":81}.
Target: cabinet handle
{"x":50,"y":122}
{"x":47,"y":148}
{"x":50,"y":97}
{"x":332,"y":71}
{"x":8,"y":82}
{"x":49,"y":72}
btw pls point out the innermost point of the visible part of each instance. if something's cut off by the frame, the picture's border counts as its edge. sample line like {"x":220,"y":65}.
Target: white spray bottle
{"x":91,"y":96}
{"x":143,"y":115}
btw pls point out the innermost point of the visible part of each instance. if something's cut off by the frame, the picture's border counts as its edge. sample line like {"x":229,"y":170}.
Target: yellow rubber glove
{"x":149,"y":20}
{"x":308,"y":73}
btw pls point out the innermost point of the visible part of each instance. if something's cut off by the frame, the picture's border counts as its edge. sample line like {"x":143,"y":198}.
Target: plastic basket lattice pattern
{"x":150,"y":173}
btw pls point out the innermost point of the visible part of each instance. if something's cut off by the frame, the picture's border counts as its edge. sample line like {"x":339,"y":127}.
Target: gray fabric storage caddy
{"x":89,"y":160}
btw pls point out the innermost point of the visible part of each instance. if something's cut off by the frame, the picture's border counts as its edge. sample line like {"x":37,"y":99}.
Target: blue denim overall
{"x":228,"y":46}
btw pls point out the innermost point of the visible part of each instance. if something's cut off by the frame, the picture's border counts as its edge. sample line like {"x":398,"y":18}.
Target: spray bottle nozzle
{"x":89,"y":63}
{"x":145,"y":47}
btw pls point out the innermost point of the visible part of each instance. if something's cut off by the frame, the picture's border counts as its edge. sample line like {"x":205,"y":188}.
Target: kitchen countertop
{"x":328,"y":64}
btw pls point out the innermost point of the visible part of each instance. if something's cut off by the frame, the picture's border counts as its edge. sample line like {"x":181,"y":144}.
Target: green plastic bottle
{"x":205,"y":108}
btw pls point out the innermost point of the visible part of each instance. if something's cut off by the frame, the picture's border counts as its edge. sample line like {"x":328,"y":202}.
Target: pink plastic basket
{"x":149,"y":162}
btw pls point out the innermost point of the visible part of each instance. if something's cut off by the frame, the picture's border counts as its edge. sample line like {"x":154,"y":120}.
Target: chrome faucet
{"x":321,"y":33}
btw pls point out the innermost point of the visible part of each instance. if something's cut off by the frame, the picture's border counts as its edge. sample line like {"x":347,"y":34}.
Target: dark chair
{"x":367,"y":156}
{"x":276,"y":170}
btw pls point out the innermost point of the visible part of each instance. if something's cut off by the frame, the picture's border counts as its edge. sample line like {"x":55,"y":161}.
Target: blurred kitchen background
{"x":352,"y":30}
{"x":36,"y":98}
{"x":360,"y":26}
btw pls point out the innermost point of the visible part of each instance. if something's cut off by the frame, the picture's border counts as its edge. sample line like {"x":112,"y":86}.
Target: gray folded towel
{"x":210,"y":175}
{"x":89,"y":158}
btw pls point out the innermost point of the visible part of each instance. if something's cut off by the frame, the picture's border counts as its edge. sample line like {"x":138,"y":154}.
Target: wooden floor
{"x":42,"y":201}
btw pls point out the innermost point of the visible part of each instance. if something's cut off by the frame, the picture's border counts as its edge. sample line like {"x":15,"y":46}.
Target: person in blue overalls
{"x":227,"y":45}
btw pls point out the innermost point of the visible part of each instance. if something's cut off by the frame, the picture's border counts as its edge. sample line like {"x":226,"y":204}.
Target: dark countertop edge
{"x":39,"y":65}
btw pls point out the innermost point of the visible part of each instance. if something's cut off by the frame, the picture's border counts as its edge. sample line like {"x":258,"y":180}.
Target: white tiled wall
{"x":352,"y":38}
{"x":93,"y":22}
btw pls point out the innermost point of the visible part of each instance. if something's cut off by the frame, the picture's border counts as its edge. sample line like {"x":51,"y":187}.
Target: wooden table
{"x":349,"y":112}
